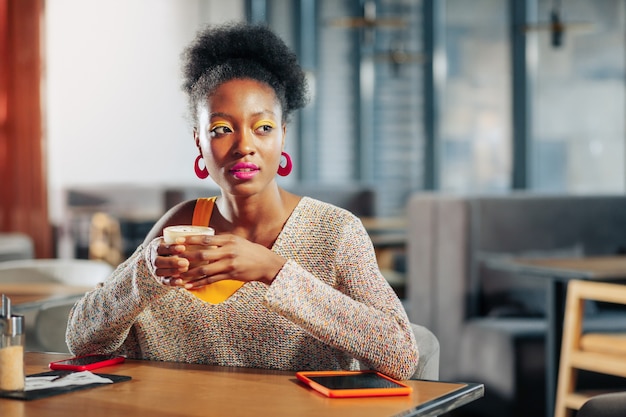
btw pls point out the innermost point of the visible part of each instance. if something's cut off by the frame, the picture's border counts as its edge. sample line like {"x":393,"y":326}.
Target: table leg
{"x":555,"y":313}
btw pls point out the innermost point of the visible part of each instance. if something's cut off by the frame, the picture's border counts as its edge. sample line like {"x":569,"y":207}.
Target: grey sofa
{"x":491,"y":325}
{"x":429,"y":350}
{"x":16,"y":246}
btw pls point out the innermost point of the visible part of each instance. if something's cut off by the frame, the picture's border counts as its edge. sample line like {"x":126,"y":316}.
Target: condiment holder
{"x":12,"y":340}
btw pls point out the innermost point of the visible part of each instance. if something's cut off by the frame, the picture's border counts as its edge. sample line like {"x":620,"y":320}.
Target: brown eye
{"x":220,"y":130}
{"x":264,"y":129}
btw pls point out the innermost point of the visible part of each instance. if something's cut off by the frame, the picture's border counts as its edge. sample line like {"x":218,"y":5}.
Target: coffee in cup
{"x":171,"y":233}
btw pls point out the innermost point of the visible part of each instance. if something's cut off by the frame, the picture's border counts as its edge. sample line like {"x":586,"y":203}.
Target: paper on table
{"x":74,"y":378}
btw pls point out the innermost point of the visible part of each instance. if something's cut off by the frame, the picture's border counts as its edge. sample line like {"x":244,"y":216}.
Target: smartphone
{"x":342,"y":384}
{"x":86,"y":362}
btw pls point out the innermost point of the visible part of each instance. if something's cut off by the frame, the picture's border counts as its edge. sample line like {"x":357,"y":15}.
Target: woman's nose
{"x":244,"y":144}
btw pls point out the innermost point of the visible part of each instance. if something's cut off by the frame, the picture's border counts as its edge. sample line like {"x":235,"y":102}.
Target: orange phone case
{"x":343,"y":384}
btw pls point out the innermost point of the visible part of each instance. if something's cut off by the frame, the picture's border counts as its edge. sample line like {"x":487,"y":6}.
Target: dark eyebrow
{"x":219,"y":114}
{"x":226,"y":115}
{"x":265,"y":112}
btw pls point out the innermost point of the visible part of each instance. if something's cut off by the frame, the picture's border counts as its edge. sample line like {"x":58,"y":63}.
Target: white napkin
{"x":74,"y":378}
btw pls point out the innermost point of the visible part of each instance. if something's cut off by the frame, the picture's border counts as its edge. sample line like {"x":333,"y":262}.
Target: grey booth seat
{"x":428,"y":347}
{"x":16,"y":246}
{"x":491,"y":325}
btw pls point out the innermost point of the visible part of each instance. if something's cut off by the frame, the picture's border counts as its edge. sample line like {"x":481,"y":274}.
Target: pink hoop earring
{"x":201,"y":173}
{"x":283,"y":171}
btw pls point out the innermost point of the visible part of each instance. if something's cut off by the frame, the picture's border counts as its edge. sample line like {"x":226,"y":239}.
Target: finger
{"x":209,"y":240}
{"x":165,"y":249}
{"x":171,"y":262}
{"x":192,"y":275}
{"x":167,"y":272}
{"x":198,"y":283}
{"x":195,"y":271}
{"x":206,"y":280}
{"x":172,"y":281}
{"x":208,"y":274}
{"x":199,"y":257}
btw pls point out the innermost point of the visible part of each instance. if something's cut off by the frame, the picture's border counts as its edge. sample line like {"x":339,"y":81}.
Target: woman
{"x":303,"y":289}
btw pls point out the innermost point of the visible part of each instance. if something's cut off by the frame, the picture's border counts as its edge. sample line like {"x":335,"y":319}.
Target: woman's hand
{"x":226,"y":256}
{"x":169,"y":263}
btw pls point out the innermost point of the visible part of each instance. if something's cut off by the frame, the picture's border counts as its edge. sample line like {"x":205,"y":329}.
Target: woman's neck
{"x":258,"y":218}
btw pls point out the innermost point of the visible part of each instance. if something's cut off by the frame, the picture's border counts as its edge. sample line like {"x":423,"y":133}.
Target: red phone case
{"x":395,"y":388}
{"x":86,"y":362}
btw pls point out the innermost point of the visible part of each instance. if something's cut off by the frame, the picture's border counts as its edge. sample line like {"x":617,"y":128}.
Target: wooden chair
{"x":602,"y":353}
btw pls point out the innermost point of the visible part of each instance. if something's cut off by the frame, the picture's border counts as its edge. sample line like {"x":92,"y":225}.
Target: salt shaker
{"x":11,"y":348}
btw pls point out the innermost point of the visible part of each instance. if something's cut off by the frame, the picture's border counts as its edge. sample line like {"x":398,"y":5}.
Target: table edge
{"x":469,"y":392}
{"x":526,"y":267}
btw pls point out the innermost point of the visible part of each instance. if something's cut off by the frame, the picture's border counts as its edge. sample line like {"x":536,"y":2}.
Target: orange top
{"x":218,"y":291}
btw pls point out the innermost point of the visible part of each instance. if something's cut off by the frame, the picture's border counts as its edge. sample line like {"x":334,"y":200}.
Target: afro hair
{"x":240,"y":50}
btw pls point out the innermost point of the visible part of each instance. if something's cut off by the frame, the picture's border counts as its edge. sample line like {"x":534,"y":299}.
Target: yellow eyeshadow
{"x":263,"y":123}
{"x":218,"y":124}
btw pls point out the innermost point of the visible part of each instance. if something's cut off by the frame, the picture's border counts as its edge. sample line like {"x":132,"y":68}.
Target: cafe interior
{"x":482,"y":143}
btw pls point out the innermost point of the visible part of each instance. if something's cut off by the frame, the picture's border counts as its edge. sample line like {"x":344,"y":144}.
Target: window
{"x":578,"y":98}
{"x":367,"y":124}
{"x":367,"y":96}
{"x":475,"y":139}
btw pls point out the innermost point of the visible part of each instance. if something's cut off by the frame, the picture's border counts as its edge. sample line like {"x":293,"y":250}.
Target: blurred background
{"x":484,"y":96}
{"x":459,"y":131}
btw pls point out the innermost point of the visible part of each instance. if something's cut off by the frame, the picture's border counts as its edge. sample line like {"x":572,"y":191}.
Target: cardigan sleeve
{"x":360,"y":314}
{"x":101,"y":321}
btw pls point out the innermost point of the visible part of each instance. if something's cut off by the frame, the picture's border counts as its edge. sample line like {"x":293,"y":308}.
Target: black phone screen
{"x":87,"y":360}
{"x":357,"y":381}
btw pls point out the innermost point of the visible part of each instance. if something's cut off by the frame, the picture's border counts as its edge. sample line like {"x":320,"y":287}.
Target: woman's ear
{"x":196,"y":138}
{"x":282,"y":145}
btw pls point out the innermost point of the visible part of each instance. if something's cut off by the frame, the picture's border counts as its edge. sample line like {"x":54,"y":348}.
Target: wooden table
{"x":160,"y":389}
{"x":557,"y":272}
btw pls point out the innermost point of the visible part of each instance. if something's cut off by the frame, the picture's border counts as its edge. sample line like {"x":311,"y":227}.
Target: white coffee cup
{"x":171,"y":233}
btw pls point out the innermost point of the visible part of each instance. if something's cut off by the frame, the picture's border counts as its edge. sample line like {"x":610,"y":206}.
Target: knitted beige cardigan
{"x":328,"y":308}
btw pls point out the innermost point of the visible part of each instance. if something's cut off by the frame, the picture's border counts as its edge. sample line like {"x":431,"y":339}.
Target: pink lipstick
{"x":244,"y":170}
